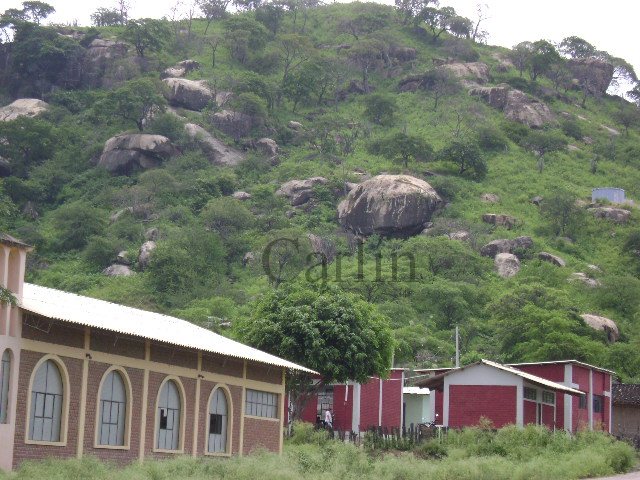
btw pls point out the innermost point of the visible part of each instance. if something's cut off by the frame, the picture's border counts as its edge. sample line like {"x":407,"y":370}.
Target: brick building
{"x":357,"y":407}
{"x":80,"y":376}
{"x":561,"y":395}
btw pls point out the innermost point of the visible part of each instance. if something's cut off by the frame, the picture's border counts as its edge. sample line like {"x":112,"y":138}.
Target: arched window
{"x":113,"y":410}
{"x":169,"y":411}
{"x":46,"y":403}
{"x":218,"y":422}
{"x":5,"y":375}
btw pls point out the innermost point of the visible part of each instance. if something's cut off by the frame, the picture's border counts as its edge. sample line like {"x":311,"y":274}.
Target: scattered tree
{"x":325,"y":329}
{"x":562,"y":213}
{"x":37,"y":11}
{"x":576,"y":47}
{"x":380,"y":108}
{"x":295,"y":50}
{"x":146,"y":34}
{"x":213,"y":10}
{"x":107,"y":17}
{"x":440,"y":83}
{"x":367,"y":55}
{"x":401,"y":147}
{"x":438,"y":20}
{"x":542,"y":143}
{"x":466,"y":154}
{"x":543,"y":56}
{"x":627,"y":115}
{"x":137,"y":101}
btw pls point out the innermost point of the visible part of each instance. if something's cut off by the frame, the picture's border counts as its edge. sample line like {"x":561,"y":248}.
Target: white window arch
{"x":47,"y":401}
{"x":113,"y":410}
{"x":5,"y":377}
{"x":169,"y":416}
{"x":219,"y":421}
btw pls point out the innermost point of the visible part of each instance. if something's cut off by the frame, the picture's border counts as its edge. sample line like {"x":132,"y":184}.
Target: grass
{"x":532,"y":453}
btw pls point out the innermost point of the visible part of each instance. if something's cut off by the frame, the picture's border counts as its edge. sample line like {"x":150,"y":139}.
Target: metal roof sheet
{"x":13,"y":242}
{"x":551,"y":362}
{"x":416,"y":391}
{"x":435,"y":381}
{"x":100,"y":314}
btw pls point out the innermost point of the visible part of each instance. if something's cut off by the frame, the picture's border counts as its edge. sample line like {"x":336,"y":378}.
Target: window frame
{"x":600,"y":399}
{"x":64,"y":414}
{"x":582,"y":402}
{"x":227,"y":394}
{"x":530,"y":389}
{"x":277,"y":396}
{"x":156,"y":420}
{"x":5,"y":395}
{"x":548,"y":392}
{"x":127,"y":419}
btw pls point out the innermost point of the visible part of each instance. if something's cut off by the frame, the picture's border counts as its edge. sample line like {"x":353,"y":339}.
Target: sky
{"x":610,"y":26}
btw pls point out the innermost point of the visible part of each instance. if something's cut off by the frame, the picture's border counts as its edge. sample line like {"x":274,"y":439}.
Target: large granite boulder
{"x":101,"y":55}
{"x":504,"y":245}
{"x":234,"y":124}
{"x":506,"y":264}
{"x":324,"y":249}
{"x":476,"y":71}
{"x":180,"y":69}
{"x":551,"y":258}
{"x":145,"y":253}
{"x":217,"y":152}
{"x":267,"y":146}
{"x":23,"y":107}
{"x":189,"y":94}
{"x":617,"y":215}
{"x":516,"y":105}
{"x":404,"y":54}
{"x":500,"y":220}
{"x":602,"y":323}
{"x":125,"y":153}
{"x":585,"y":279}
{"x":389,"y":205}
{"x":300,"y":192}
{"x":117,"y":270}
{"x":594,"y":74}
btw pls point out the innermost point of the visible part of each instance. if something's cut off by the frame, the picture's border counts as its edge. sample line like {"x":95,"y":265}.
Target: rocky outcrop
{"x":300,"y":192}
{"x":504,"y":245}
{"x":152,"y":234}
{"x":145,"y":253}
{"x":23,"y":107}
{"x":189,"y":94}
{"x":117,"y":270}
{"x":506,"y":264}
{"x":100,"y":57}
{"x":611,"y":131}
{"x":516,"y":105}
{"x":180,"y":69}
{"x":584,"y":279}
{"x":499,"y":220}
{"x":490,"y":198}
{"x":242,"y":196}
{"x":537,"y":200}
{"x":617,"y":215}
{"x":217,"y":152}
{"x":125,"y":153}
{"x":267,"y":147}
{"x":592,"y":73}
{"x":551,"y":258}
{"x":123,"y":258}
{"x":404,"y":54}
{"x":234,"y":124}
{"x":476,"y":71}
{"x":322,"y":248}
{"x":604,"y":324}
{"x":297,"y":126}
{"x":389,"y":205}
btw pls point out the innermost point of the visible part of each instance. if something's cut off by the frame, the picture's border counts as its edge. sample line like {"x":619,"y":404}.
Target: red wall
{"x":439,"y":399}
{"x":547,"y":417}
{"x":342,"y":409}
{"x":580,"y":416}
{"x":550,"y":371}
{"x":467,"y":403}
{"x":529,"y":411}
{"x":369,"y":401}
{"x":392,"y":400}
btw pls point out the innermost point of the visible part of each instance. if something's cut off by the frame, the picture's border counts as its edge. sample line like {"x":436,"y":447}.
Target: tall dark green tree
{"x":147,"y":34}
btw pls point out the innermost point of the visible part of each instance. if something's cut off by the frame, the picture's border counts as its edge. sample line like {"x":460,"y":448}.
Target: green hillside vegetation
{"x":284,"y":64}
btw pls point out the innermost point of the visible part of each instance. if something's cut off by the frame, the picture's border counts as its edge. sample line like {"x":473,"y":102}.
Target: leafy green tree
{"x":27,"y":142}
{"x":466,"y":154}
{"x":213,"y":10}
{"x":368,"y":20}
{"x":74,"y":223}
{"x":543,"y":143}
{"x":136,"y":101}
{"x":107,"y":17}
{"x":628,"y":116}
{"x":410,"y":8}
{"x":520,"y":55}
{"x":37,"y":11}
{"x":147,"y":34}
{"x":367,"y":55}
{"x":437,"y":20}
{"x":562,"y":213}
{"x":226,"y":216}
{"x":295,"y":50}
{"x":460,"y":26}
{"x":543,"y":56}
{"x":439,"y":83}
{"x":335,"y":333}
{"x":576,"y":47}
{"x":380,"y":108}
{"x":401,"y":147}
{"x":270,"y":15}
{"x":185,"y":267}
{"x":301,"y":84}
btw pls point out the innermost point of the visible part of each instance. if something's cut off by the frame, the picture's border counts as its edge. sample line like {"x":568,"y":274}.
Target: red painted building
{"x":357,"y":407}
{"x":561,"y":395}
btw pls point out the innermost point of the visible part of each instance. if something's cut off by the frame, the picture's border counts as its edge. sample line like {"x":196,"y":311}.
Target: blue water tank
{"x":614,"y":195}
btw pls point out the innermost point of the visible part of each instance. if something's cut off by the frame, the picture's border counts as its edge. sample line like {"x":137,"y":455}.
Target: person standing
{"x":328,"y":419}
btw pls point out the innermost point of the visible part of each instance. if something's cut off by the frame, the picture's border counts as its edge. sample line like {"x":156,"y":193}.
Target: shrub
{"x":572,"y":128}
{"x":491,"y":138}
{"x":74,"y":223}
{"x":432,"y":449}
{"x":306,"y":433}
{"x":380,"y":108}
{"x":101,"y":251}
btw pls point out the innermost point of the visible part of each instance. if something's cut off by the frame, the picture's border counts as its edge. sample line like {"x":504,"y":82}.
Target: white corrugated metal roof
{"x":533,"y":378}
{"x":416,"y":391}
{"x":94,"y":313}
{"x":577,"y":362}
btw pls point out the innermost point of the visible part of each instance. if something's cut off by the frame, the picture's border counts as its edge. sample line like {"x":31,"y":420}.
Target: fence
{"x":386,"y":438}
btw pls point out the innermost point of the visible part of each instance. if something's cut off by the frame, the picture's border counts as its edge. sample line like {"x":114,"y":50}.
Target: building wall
{"x":581,"y":382}
{"x":369,"y":404}
{"x":342,"y":407}
{"x":470,"y":402}
{"x":145,"y":376}
{"x":417,"y":409}
{"x":626,"y":421}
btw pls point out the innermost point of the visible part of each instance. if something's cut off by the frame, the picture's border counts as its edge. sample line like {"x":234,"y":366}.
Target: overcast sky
{"x":610,"y":25}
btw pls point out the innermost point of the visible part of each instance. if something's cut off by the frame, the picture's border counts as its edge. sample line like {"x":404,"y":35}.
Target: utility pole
{"x":457,"y":347}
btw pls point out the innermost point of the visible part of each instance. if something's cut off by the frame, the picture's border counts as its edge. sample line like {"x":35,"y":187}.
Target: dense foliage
{"x":336,"y":70}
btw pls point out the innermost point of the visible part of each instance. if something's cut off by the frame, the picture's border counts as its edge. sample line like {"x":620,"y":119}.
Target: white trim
{"x":380,"y":403}
{"x":590,"y":400}
{"x":229,"y":445}
{"x":568,"y":399}
{"x":610,"y":403}
{"x":519,"y":403}
{"x":355,"y":408}
{"x":558,"y":362}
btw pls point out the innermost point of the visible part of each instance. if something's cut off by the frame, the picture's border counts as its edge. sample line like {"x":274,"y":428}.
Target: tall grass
{"x":532,"y":453}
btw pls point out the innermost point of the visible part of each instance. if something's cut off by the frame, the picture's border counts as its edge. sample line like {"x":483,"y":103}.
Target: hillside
{"x":346,"y":92}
